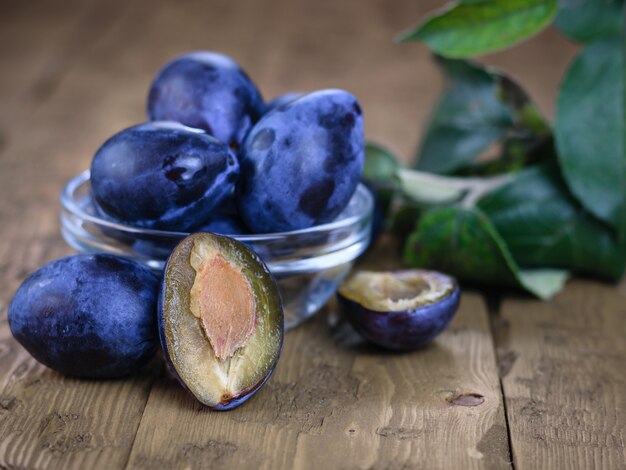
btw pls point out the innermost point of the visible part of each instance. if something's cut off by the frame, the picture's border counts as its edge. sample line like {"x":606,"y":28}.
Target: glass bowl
{"x":308,"y":264}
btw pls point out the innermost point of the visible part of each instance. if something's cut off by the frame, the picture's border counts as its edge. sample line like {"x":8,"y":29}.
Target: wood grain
{"x":335,"y":402}
{"x":564,"y":377}
{"x":47,"y":420}
{"x":75,"y":72}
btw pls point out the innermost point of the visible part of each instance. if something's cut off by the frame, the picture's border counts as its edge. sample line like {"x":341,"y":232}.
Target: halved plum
{"x":399,"y":310}
{"x":220,"y":319}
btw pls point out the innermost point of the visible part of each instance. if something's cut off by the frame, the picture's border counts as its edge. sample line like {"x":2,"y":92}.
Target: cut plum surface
{"x":220,"y":319}
{"x":399,"y":310}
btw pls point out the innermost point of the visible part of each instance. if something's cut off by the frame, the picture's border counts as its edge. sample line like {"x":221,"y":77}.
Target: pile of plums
{"x":214,"y":158}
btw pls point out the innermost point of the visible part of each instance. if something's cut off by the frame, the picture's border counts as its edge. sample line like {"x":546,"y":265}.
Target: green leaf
{"x":473,"y":27}
{"x":464,"y":243}
{"x":589,"y":20}
{"x":590,"y":131}
{"x":526,"y":116}
{"x":480,"y":108}
{"x":468,"y":118}
{"x":542,"y":224}
{"x":381,"y":164}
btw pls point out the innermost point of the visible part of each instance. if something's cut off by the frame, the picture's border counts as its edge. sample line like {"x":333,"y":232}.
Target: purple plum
{"x":301,"y":163}
{"x":209,"y":91}
{"x":399,"y":310}
{"x":88,"y":315}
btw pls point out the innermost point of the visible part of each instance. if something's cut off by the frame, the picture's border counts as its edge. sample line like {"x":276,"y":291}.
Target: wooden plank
{"x":335,"y":402}
{"x":326,"y":392}
{"x":95,"y":88}
{"x":564,"y":377}
{"x":48,"y":420}
{"x":71,"y":82}
{"x":39,"y":42}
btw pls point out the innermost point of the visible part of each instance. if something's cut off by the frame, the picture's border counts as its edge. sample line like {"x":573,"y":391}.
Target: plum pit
{"x":222,"y":299}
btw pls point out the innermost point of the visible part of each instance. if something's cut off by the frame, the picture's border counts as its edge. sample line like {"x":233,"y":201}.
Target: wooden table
{"x":514,"y":382}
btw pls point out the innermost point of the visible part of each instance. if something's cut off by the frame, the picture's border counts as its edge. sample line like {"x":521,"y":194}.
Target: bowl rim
{"x":69,"y":204}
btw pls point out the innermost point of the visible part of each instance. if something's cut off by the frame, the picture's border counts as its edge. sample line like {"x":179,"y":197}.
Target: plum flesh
{"x":399,"y":310}
{"x":88,"y":315}
{"x":220,"y":319}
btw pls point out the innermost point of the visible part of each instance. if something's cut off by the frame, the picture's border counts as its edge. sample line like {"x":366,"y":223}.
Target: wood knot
{"x":466,"y":399}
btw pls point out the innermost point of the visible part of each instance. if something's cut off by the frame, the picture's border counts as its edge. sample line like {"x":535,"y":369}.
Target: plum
{"x":162,"y":175}
{"x":220,"y":319}
{"x":301,"y":163}
{"x":399,"y":310}
{"x":282,"y":100}
{"x":224,"y":220}
{"x":209,"y":91}
{"x":224,"y":224}
{"x":88,"y":315}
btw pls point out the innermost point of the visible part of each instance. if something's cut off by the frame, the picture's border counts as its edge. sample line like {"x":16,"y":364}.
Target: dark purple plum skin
{"x":401,"y":330}
{"x":208,"y":91}
{"x":88,"y":315}
{"x":282,"y":100}
{"x":224,"y":224}
{"x":162,"y":175}
{"x":224,"y":220}
{"x":301,"y":163}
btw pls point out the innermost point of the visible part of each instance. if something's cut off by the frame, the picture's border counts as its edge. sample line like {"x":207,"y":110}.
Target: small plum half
{"x":399,"y":310}
{"x":220,"y":319}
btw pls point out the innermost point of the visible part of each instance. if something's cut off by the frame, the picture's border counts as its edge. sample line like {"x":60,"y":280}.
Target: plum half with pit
{"x":220,"y":319}
{"x":209,"y":91}
{"x":162,"y":175}
{"x":88,"y":315}
{"x":399,"y":310}
{"x":301,"y":163}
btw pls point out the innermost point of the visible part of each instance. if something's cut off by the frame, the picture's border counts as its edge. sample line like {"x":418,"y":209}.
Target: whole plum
{"x":88,"y":315}
{"x":302,"y":162}
{"x":282,"y":100}
{"x":162,"y":175}
{"x":224,"y":220}
{"x":224,"y":224}
{"x":209,"y":91}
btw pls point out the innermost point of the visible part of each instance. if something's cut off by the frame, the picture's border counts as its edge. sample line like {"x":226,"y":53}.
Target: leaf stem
{"x":429,"y":188}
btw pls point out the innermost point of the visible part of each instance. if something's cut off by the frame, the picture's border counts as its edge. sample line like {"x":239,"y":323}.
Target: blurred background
{"x":74,"y":72}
